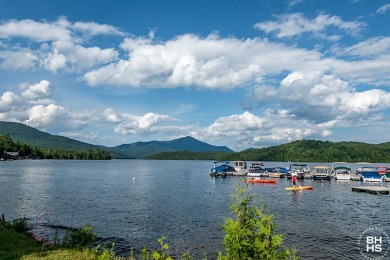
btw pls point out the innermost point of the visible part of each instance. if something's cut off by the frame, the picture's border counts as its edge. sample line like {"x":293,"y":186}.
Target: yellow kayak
{"x":300,"y":188}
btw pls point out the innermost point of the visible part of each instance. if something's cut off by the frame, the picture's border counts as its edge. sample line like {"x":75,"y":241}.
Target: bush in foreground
{"x":251,"y":234}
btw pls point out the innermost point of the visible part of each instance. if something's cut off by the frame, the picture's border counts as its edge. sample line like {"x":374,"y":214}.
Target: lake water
{"x":134,"y":202}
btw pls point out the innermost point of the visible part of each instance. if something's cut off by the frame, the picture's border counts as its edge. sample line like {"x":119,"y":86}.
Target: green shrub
{"x":20,"y":225}
{"x":80,"y":238}
{"x":250,"y":235}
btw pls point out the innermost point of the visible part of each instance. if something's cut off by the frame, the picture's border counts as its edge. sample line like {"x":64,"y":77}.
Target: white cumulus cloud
{"x":18,"y":59}
{"x":41,"y":116}
{"x":189,"y":60}
{"x":290,"y":25}
{"x":37,"y":31}
{"x":40,"y":90}
{"x":7,"y":100}
{"x":134,"y":124}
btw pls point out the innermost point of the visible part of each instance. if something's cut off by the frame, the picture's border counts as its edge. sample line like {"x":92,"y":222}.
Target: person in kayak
{"x":294,"y":180}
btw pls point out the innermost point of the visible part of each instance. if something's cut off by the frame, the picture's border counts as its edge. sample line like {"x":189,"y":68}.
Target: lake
{"x":134,"y":202}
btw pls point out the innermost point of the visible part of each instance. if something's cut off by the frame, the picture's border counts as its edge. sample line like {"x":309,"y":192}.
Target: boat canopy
{"x":342,"y":168}
{"x":321,"y":169}
{"x":368,"y":169}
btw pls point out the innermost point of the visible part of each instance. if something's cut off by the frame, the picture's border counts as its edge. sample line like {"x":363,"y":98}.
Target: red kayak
{"x":260,"y":181}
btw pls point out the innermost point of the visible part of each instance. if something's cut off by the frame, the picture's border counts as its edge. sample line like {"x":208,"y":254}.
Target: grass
{"x":13,"y":245}
{"x":16,"y":245}
{"x":19,"y":245}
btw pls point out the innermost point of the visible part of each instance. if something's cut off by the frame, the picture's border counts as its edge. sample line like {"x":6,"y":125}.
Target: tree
{"x":250,"y":235}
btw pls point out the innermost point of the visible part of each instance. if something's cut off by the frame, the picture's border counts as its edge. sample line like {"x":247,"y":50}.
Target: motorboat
{"x":341,"y":171}
{"x":278,"y":172}
{"x":221,"y":169}
{"x":257,"y":169}
{"x":321,"y":173}
{"x":369,"y":174}
{"x":381,"y":169}
{"x":298,"y":170}
{"x":240,"y":169}
{"x":386,"y":176}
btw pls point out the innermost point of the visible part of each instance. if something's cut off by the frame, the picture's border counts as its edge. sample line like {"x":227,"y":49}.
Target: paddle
{"x":299,"y":185}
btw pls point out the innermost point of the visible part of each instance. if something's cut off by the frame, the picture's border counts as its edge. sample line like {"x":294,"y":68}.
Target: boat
{"x":298,"y":170}
{"x":240,"y":169}
{"x":381,"y":169}
{"x":221,"y":169}
{"x":341,"y":171}
{"x":257,"y":170}
{"x":298,"y":188}
{"x":253,"y":180}
{"x":321,"y":173}
{"x":386,"y":176}
{"x":369,"y":174}
{"x":278,"y":172}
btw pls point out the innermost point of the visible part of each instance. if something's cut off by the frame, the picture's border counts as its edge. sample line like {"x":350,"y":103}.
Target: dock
{"x":372,"y":189}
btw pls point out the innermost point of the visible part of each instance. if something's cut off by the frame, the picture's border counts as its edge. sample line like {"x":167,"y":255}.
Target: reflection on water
{"x":133,"y":203}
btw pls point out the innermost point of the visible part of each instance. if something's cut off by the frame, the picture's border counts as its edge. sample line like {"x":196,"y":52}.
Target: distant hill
{"x":190,"y":144}
{"x":139,"y":150}
{"x":317,"y":151}
{"x":296,"y":151}
{"x":33,"y":137}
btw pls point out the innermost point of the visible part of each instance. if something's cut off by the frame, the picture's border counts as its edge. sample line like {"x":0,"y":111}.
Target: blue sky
{"x":236,"y":73}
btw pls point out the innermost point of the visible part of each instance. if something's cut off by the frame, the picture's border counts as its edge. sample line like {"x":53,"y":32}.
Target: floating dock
{"x":372,"y":189}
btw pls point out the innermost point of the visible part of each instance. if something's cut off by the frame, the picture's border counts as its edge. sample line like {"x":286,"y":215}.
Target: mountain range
{"x":139,"y":150}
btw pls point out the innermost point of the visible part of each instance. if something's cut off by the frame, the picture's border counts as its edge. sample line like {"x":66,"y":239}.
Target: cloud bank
{"x":292,"y":92}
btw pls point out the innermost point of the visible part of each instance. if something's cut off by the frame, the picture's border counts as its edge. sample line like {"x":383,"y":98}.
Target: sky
{"x":245,"y":74}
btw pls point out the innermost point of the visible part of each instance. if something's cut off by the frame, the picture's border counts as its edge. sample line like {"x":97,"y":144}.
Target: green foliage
{"x":105,"y":253}
{"x":80,"y":238}
{"x":20,"y":225}
{"x":7,"y":144}
{"x":250,"y":235}
{"x":297,"y":151}
{"x":33,"y":137}
{"x":319,"y":151}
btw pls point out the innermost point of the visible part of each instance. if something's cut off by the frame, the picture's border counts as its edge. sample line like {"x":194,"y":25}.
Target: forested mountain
{"x":186,"y":155}
{"x":190,"y":144}
{"x":139,"y":150}
{"x":319,"y":151}
{"x":10,"y":150}
{"x":303,"y":151}
{"x":33,"y":137}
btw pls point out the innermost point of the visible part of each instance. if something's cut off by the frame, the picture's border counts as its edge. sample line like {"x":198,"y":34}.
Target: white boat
{"x":341,"y":171}
{"x":221,"y":169}
{"x":257,"y":170}
{"x":386,"y":176}
{"x":278,"y":172}
{"x":298,"y":170}
{"x":240,"y":169}
{"x":369,"y":174}
{"x":321,"y":173}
